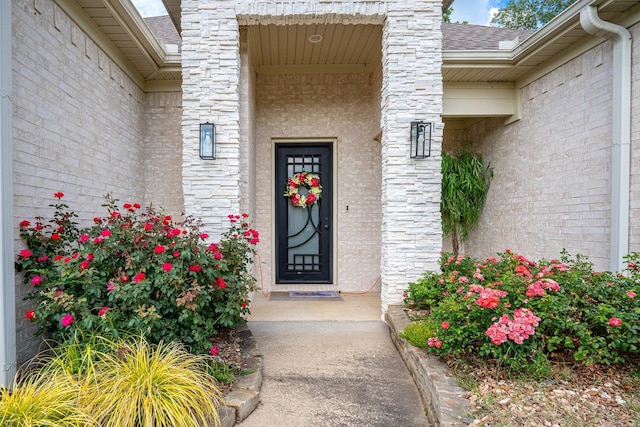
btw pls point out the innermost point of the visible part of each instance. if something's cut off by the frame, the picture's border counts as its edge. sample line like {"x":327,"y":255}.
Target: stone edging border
{"x":441,"y":394}
{"x":244,"y":397}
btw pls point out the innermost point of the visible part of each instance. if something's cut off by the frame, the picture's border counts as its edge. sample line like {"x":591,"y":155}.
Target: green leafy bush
{"x":136,"y":271}
{"x":524,"y":313}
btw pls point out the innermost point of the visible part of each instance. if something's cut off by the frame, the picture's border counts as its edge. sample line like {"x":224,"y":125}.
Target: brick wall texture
{"x":411,"y":88}
{"x":552,"y":169}
{"x":81,"y":126}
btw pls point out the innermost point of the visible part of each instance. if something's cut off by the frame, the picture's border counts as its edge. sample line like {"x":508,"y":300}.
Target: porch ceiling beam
{"x":479,"y":100}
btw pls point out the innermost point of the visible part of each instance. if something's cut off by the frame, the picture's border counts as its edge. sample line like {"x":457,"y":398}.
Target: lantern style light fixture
{"x":420,"y":140}
{"x":207,"y":141}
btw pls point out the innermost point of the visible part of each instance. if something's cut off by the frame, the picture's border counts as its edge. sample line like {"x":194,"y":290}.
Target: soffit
{"x":542,"y":47}
{"x":288,"y":49}
{"x":118,"y":28}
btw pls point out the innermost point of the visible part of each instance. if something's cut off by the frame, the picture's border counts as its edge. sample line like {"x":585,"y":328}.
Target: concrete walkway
{"x":323,"y":368}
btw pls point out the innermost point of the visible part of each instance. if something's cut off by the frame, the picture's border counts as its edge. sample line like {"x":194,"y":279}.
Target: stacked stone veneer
{"x":411,"y":89}
{"x":552,"y":182}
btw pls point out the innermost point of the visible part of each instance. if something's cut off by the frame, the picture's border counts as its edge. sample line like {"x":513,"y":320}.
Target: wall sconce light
{"x":420,"y":140}
{"x":207,"y":141}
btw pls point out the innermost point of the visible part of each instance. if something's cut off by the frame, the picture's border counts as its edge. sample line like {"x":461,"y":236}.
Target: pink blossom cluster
{"x":538,"y":287}
{"x":434,"y":342}
{"x":518,"y":329}
{"x":487,"y":297}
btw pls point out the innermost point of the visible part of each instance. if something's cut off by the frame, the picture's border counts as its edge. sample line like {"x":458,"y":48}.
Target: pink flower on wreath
{"x":103,"y":311}
{"x":631,"y":294}
{"x":614,"y":321}
{"x":25,"y":253}
{"x":167,"y":266}
{"x":36,"y":280}
{"x":138,"y":278}
{"x":66,"y":320}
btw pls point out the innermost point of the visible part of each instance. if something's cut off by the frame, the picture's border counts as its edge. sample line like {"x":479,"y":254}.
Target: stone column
{"x":411,"y":90}
{"x":210,"y":92}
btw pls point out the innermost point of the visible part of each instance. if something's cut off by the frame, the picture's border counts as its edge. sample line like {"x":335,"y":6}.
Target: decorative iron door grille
{"x":303,"y":234}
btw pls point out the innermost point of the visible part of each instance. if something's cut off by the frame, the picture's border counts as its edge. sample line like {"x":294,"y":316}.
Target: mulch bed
{"x":572,"y":396}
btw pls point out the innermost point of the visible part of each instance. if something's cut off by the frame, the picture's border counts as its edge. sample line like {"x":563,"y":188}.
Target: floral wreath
{"x":303,"y":179}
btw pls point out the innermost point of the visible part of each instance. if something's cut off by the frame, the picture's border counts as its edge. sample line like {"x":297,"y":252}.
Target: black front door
{"x":303,"y":234}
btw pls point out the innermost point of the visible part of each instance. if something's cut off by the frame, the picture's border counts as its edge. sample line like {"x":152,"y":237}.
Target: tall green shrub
{"x":465,"y":183}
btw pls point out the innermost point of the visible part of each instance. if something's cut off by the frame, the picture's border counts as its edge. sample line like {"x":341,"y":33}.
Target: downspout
{"x":621,"y":143}
{"x":7,"y":273}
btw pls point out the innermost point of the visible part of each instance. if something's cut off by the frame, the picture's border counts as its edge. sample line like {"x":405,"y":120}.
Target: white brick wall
{"x":340,"y":106}
{"x":411,"y":89}
{"x":552,"y":181}
{"x":163,"y":152}
{"x":77,"y":127}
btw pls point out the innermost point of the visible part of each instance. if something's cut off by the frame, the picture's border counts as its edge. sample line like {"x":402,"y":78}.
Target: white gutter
{"x":621,"y":123}
{"x":7,"y":273}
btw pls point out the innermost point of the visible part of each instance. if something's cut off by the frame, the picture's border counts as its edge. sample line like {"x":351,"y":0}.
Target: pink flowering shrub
{"x":525,"y":314}
{"x":136,"y":271}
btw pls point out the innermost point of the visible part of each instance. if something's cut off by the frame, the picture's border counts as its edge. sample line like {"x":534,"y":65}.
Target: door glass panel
{"x":303,"y":235}
{"x":303,"y":230}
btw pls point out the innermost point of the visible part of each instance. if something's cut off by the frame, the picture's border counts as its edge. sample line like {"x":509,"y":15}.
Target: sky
{"x":474,"y":11}
{"x":149,"y":7}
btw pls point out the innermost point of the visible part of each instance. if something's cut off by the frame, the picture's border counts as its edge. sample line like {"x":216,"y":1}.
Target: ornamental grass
{"x":139,"y":385}
{"x":37,"y":400}
{"x":125,"y":383}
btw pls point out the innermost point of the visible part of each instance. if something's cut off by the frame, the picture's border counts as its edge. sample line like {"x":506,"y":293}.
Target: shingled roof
{"x":477,"y":37}
{"x":454,"y":36}
{"x":162,"y":27}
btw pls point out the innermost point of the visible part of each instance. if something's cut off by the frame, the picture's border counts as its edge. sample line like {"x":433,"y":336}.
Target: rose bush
{"x":136,"y":271}
{"x":525,"y":313}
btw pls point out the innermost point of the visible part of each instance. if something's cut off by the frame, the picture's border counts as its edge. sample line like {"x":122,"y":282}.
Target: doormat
{"x":314,"y":294}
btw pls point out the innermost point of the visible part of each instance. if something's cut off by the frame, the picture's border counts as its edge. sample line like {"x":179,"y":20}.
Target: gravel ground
{"x":582,"y":396}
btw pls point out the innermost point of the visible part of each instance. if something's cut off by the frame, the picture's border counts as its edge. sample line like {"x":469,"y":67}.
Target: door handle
{"x":326,"y":223}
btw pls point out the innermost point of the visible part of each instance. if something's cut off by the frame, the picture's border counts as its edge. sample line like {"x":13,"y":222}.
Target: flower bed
{"x":524,"y":314}
{"x":136,"y":270}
